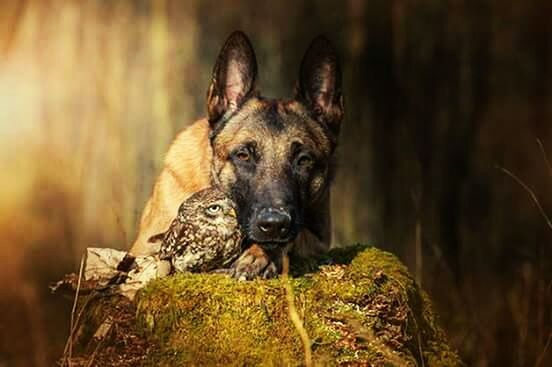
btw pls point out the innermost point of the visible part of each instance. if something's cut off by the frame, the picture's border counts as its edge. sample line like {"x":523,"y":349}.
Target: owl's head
{"x":213,"y":206}
{"x":209,"y":212}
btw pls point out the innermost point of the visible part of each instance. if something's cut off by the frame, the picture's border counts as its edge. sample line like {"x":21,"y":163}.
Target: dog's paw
{"x":254,"y":263}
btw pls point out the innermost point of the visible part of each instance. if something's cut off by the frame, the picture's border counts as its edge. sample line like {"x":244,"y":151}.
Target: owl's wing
{"x":173,"y":239}
{"x":156,"y":237}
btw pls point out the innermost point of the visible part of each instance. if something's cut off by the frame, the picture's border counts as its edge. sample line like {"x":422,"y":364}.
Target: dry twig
{"x":293,"y":315}
{"x":68,"y":350}
{"x":545,"y":156}
{"x":543,"y":353}
{"x":531,"y":194}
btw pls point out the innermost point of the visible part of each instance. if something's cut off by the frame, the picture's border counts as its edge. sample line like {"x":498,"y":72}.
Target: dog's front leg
{"x":259,"y":262}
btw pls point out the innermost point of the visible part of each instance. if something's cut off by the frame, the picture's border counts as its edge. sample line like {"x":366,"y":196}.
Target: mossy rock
{"x":359,"y":305}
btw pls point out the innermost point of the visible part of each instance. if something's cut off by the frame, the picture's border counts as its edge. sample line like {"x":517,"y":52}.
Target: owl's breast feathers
{"x":232,"y":248}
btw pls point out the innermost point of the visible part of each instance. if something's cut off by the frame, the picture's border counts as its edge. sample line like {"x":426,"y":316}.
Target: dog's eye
{"x":304,"y":160}
{"x":243,"y":155}
{"x":214,"y":209}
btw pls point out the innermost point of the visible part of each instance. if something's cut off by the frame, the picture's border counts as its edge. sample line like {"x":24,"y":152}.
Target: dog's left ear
{"x":234,"y":77}
{"x":319,"y":85}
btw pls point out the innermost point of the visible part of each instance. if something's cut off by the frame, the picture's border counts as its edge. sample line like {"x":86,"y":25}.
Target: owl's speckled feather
{"x":205,"y":235}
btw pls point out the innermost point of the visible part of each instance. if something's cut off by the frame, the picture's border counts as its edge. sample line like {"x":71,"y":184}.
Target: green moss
{"x":358,"y":305}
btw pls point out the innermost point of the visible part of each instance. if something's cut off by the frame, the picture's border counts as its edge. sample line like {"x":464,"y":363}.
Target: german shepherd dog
{"x":274,"y":157}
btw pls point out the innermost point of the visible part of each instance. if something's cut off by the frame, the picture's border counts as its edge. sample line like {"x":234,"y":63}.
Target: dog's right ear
{"x":234,"y":77}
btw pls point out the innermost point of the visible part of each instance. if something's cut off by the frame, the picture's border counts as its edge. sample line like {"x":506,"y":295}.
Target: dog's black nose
{"x":274,"y":224}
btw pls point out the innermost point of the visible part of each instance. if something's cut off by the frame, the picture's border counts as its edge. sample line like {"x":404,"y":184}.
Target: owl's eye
{"x":214,"y":209}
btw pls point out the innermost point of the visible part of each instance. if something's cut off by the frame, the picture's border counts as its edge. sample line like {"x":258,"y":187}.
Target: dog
{"x":273,"y":157}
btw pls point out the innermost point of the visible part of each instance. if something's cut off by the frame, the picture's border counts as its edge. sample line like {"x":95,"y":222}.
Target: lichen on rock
{"x":359,"y":306}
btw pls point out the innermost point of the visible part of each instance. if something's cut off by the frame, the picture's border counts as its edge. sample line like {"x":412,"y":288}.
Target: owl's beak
{"x":232,"y":213}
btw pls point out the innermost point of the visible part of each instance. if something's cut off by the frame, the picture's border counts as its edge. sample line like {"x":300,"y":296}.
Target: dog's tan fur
{"x":185,"y":171}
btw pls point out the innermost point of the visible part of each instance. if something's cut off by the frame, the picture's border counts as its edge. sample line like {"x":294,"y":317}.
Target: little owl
{"x":205,"y":234}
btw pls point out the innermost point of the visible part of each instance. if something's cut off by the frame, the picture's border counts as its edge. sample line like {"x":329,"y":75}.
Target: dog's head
{"x":274,"y":157}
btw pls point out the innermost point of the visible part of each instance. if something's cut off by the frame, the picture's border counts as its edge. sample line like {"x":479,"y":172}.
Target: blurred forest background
{"x":439,"y":95}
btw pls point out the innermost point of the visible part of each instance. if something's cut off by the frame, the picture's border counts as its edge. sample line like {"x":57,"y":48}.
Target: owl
{"x":204,"y":236}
